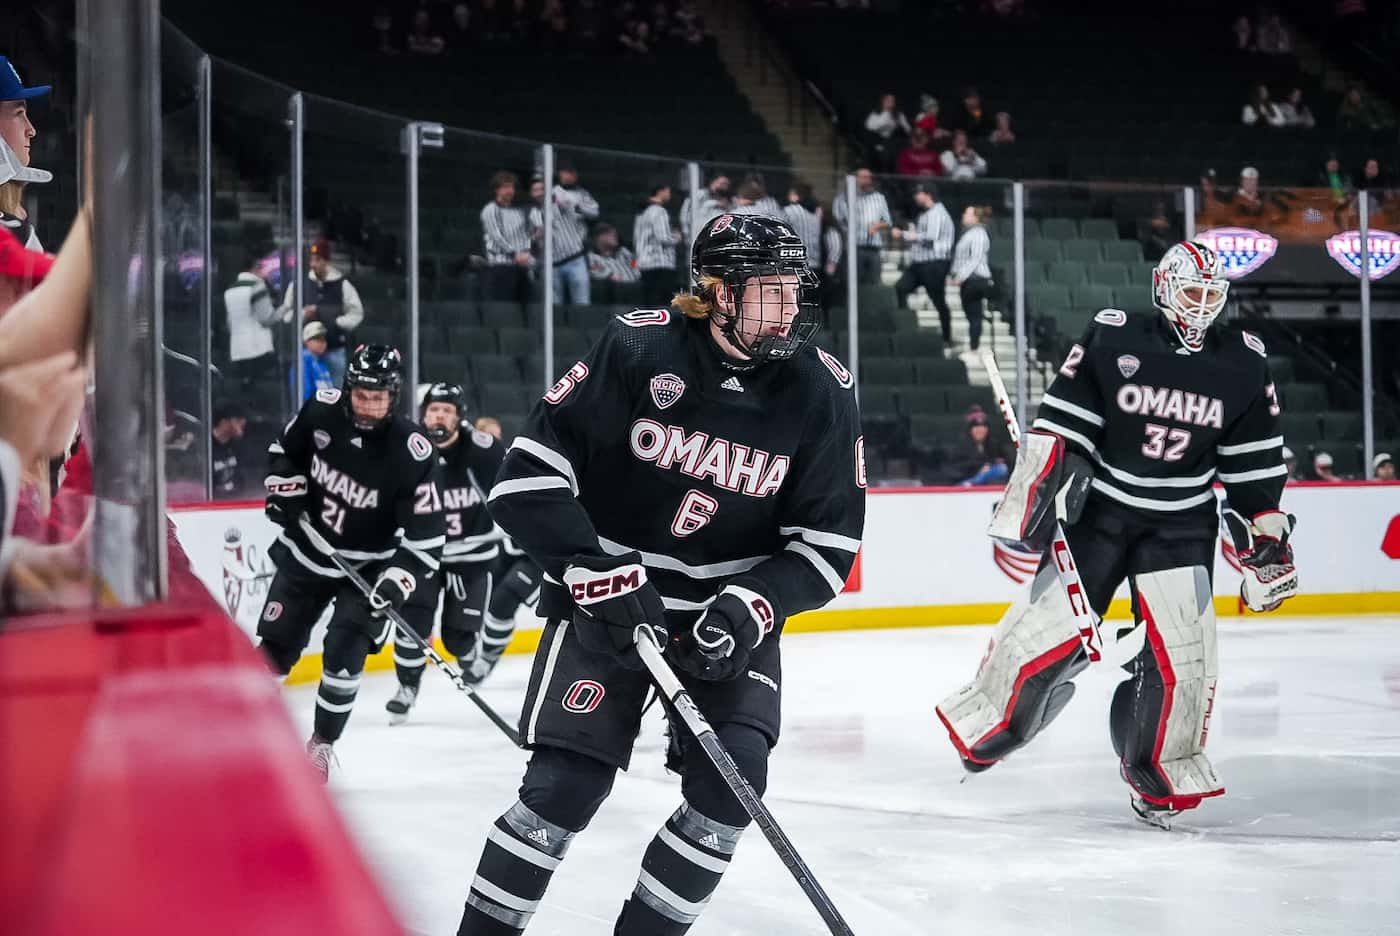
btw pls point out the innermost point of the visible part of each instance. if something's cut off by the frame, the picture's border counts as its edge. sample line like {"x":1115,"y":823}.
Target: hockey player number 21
{"x":1166,"y":444}
{"x":333,"y":515}
{"x":696,"y":510}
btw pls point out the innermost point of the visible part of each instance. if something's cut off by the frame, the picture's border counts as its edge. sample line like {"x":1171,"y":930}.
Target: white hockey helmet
{"x":1189,"y":288}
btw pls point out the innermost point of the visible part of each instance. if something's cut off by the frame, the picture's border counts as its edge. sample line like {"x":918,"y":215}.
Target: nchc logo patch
{"x":666,"y":389}
{"x":1241,"y":250}
{"x":1382,"y":250}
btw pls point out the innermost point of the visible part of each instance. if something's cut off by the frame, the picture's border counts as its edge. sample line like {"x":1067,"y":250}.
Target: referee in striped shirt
{"x":930,"y":243}
{"x":872,"y":219}
{"x":506,"y":232}
{"x":804,"y":215}
{"x":970,"y":272}
{"x":656,"y":249}
{"x":573,"y":208}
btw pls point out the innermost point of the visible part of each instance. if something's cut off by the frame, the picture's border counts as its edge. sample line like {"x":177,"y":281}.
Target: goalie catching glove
{"x":1047,"y":486}
{"x":613,"y":597}
{"x":1266,"y":558}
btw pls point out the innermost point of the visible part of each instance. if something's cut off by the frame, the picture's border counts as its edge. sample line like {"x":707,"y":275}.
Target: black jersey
{"x":651,"y":443}
{"x":468,"y":467}
{"x":372,"y":495}
{"x":1161,"y":424}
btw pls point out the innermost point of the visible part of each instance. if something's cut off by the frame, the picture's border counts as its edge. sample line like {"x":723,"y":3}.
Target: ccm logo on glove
{"x":586,"y":591}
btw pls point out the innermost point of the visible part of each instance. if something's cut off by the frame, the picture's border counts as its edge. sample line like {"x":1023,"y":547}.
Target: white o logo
{"x":648,"y":438}
{"x":583,"y":696}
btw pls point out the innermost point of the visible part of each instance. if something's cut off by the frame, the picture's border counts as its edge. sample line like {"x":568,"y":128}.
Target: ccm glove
{"x":1266,"y":558}
{"x":286,"y":498}
{"x":613,"y":597}
{"x":391,"y":590}
{"x":726,"y":635}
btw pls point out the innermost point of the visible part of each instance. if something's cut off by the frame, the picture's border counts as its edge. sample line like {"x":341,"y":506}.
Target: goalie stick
{"x":454,"y":674}
{"x":1068,"y":572}
{"x":673,"y":692}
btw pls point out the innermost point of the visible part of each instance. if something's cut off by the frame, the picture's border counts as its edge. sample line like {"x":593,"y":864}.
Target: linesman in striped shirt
{"x":505,"y":231}
{"x":573,"y":208}
{"x":656,"y":248}
{"x":930,"y":243}
{"x":872,"y":219}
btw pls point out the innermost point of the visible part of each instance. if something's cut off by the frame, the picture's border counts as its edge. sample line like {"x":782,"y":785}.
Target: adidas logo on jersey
{"x":732,"y":384}
{"x":539,"y":836}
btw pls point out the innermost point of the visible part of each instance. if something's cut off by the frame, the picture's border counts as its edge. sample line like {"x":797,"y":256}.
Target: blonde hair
{"x":699,"y":305}
{"x":12,"y":198}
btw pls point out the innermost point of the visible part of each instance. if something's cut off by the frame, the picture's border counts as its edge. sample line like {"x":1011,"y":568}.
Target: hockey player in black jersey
{"x":357,"y":473}
{"x":1154,"y":409}
{"x":468,"y":461}
{"x":699,"y":472}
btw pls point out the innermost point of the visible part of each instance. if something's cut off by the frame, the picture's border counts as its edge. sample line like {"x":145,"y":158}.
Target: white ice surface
{"x":1306,"y":841}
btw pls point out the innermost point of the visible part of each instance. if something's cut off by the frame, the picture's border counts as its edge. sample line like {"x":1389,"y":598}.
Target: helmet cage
{"x":763,"y":348}
{"x":443,"y":393}
{"x":1190,"y":316}
{"x":373,"y":367}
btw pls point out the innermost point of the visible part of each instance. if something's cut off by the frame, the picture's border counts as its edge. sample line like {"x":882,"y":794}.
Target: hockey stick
{"x":454,"y":674}
{"x":1068,"y":572}
{"x":672,"y":690}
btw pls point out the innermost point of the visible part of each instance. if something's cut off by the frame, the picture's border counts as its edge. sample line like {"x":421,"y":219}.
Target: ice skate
{"x":322,"y":754}
{"x":401,"y":704}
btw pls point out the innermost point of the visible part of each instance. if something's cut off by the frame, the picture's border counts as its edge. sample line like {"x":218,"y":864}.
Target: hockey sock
{"x":681,"y":869}
{"x":334,"y":700}
{"x":409,"y":661}
{"x":522,"y":850}
{"x":495,"y":636}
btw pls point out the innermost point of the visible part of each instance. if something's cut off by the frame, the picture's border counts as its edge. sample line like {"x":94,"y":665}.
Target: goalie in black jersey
{"x":357,"y":473}
{"x":1146,"y":413}
{"x":700,"y":472}
{"x":468,"y":461}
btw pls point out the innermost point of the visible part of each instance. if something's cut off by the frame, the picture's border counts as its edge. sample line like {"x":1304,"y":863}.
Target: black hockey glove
{"x":391,"y":590}
{"x":286,"y":498}
{"x":612,"y":596}
{"x":726,"y":635}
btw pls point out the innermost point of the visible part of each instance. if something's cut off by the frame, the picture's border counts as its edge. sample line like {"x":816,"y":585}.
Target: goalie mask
{"x":1189,"y":289}
{"x":443,"y":429}
{"x":771,"y":294}
{"x":373,"y":367}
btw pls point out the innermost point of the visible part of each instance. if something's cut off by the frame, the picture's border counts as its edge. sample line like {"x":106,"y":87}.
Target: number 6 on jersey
{"x":697,"y":509}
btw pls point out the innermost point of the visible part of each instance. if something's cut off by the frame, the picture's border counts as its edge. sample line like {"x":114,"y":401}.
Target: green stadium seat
{"x":1090,"y":297}
{"x":1086,"y":251}
{"x":878,"y":401}
{"x":1281,"y":369}
{"x":1110,"y":273}
{"x":1067,"y":272}
{"x":1342,"y":424}
{"x":1047,"y":297}
{"x":1302,"y":397}
{"x":924,"y":343}
{"x":1043,"y":251}
{"x":1300,"y":429}
{"x":1123,"y":251}
{"x":873,"y":345}
{"x":886,"y":370}
{"x":501,"y":315}
{"x":960,"y":399}
{"x":495,"y":368}
{"x":472,"y":339}
{"x":1061,"y":229}
{"x":919,"y":399}
{"x":941,"y":371}
{"x":1099,"y":229}
{"x":519,"y":341}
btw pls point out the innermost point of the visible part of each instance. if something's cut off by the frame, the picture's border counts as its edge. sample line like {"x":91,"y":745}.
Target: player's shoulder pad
{"x":643,"y":335}
{"x":483,"y":439}
{"x":418,"y":446}
{"x":1254,"y":343}
{"x":328,"y":395}
{"x":832,"y":366}
{"x":1116,"y":318}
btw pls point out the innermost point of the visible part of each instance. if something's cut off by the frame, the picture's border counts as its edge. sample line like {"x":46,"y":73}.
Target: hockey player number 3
{"x":696,"y":510}
{"x":1165,"y":444}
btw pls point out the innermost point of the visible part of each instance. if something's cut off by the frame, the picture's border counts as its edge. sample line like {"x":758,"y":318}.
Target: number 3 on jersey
{"x":697,"y":509}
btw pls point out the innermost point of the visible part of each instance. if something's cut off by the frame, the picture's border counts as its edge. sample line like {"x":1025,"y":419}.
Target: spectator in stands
{"x":764,"y":203}
{"x":610,"y":264}
{"x":230,"y":422}
{"x":805,"y":216}
{"x":962,"y":162}
{"x":1383,"y":467}
{"x":314,"y":373}
{"x":1244,"y":34}
{"x":833,"y":266}
{"x":422,"y":39}
{"x":871,"y":220}
{"x":927,"y":119}
{"x":459,"y":30}
{"x":1372,"y":179}
{"x":1296,"y":112}
{"x":1290,"y":462}
{"x":16,"y":134}
{"x":251,"y":316}
{"x":918,"y":159}
{"x":1322,"y":467}
{"x":1360,"y":113}
{"x":1259,"y":109}
{"x":656,"y":248}
{"x":886,"y":128}
{"x":930,"y":241}
{"x":383,"y":25}
{"x":1272,"y":37}
{"x":1248,"y":200}
{"x":713,"y":202}
{"x":971,"y":274}
{"x":1158,"y":234}
{"x":971,"y":118}
{"x":506,"y":230}
{"x":635,"y":38}
{"x":1003,"y":134}
{"x":573,"y":208}
{"x":977,"y":459}
{"x":332,"y":300}
{"x":1338,"y":183}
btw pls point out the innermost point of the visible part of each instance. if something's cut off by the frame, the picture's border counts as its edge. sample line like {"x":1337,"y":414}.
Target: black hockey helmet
{"x":443,"y":393}
{"x":737,"y":247}
{"x":373,"y":367}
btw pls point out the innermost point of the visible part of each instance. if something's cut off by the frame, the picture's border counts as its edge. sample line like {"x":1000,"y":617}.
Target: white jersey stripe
{"x":822,"y":538}
{"x":824,"y":569}
{"x":1142,"y":481}
{"x":1150,"y":503}
{"x":692,"y":854}
{"x":523,"y":485}
{"x":1239,"y":477}
{"x":1089,"y":416}
{"x":1244,"y":448}
{"x":672,"y":564}
{"x":1048,"y":426}
{"x":549,"y":456}
{"x":549,"y":662}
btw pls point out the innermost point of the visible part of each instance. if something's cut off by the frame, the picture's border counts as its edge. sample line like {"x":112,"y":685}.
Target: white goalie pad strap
{"x":1037,"y":631}
{"x":1179,"y":630}
{"x":1028,"y":491}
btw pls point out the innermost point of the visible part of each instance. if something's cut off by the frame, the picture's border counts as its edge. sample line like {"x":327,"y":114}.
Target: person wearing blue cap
{"x":16,"y":132}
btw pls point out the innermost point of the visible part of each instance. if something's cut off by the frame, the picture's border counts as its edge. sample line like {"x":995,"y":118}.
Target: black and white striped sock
{"x":334,"y":700}
{"x":682,"y":867}
{"x":521,"y":853}
{"x":409,"y":660}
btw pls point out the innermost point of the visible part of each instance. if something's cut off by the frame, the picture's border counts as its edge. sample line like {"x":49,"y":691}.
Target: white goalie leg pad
{"x":1178,"y":617}
{"x":1035,"y":647}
